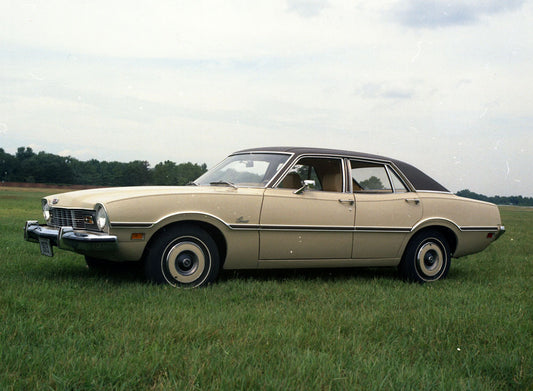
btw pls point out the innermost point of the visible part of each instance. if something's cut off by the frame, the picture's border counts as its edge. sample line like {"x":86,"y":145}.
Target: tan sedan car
{"x":274,"y":208}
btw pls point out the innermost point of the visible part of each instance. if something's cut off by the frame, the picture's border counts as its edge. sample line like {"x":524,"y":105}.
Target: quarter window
{"x":399,"y":187}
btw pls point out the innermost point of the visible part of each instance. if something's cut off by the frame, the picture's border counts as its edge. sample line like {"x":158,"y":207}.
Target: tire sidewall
{"x":161,"y":264}
{"x":413,"y":267}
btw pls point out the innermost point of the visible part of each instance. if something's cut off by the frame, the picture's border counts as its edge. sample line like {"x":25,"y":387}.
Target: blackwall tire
{"x":427,"y":258}
{"x":182,"y":256}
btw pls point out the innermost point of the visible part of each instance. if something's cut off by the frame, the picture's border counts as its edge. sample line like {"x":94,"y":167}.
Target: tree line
{"x":28,"y":166}
{"x":499,"y":200}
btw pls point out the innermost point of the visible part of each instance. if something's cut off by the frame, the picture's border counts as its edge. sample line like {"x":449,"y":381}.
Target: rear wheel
{"x":182,"y":256}
{"x":426,"y":258}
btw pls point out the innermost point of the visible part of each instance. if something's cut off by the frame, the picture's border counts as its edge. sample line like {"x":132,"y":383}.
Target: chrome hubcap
{"x":430,"y":259}
{"x":184,"y":262}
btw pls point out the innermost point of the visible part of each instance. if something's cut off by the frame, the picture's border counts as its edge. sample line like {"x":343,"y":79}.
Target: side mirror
{"x":308,"y":183}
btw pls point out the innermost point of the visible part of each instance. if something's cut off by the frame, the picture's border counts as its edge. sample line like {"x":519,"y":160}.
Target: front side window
{"x":326,"y":174}
{"x":247,"y":170}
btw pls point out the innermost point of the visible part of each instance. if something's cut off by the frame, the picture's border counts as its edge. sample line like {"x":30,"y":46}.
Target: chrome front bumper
{"x":66,"y":238}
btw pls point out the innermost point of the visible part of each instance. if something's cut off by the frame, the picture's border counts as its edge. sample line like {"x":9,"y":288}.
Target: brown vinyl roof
{"x":418,"y":179}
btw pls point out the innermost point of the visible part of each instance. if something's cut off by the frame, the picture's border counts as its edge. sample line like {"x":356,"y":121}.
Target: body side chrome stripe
{"x":383,"y":229}
{"x":478,"y":229}
{"x":460,"y":228}
{"x":325,"y":228}
{"x":269,"y":227}
{"x":138,"y":224}
{"x":322,"y":228}
{"x":131,"y":225}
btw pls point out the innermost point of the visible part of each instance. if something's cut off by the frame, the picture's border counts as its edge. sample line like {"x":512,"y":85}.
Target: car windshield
{"x":246,"y":170}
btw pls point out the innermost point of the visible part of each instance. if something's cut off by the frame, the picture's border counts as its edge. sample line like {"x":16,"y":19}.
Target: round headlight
{"x":101,"y":217}
{"x":46,"y":209}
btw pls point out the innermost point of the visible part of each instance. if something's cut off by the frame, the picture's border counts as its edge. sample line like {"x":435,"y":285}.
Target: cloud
{"x":197,"y":80}
{"x":440,"y":13}
{"x":307,"y":8}
{"x":383,"y":91}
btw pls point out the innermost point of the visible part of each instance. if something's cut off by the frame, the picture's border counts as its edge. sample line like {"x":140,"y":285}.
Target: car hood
{"x":87,"y":199}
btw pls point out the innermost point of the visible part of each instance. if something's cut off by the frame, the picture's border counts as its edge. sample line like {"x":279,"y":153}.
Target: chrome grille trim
{"x":75,"y":218}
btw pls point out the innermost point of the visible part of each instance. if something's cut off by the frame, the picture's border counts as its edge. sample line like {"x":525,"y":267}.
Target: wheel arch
{"x":447,"y":228}
{"x":209,"y":228}
{"x":427,"y":254}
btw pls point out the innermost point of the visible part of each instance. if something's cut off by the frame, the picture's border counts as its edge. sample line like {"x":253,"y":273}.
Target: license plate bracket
{"x":46,"y":247}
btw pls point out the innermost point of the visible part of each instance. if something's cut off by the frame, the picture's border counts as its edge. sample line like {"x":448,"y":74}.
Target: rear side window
{"x":375,"y":178}
{"x":370,"y":177}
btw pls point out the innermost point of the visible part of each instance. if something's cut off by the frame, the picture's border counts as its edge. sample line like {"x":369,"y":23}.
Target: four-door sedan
{"x":274,"y":208}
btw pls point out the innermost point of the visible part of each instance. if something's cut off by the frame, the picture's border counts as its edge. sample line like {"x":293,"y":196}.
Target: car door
{"x":386,"y":210}
{"x":315,"y":222}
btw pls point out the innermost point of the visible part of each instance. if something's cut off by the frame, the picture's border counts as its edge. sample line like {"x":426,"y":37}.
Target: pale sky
{"x":443,"y":85}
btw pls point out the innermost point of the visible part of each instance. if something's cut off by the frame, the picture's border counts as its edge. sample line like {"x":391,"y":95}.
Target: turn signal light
{"x":137,"y":236}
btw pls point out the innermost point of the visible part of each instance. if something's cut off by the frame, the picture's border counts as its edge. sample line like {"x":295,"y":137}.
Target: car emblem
{"x":55,"y":201}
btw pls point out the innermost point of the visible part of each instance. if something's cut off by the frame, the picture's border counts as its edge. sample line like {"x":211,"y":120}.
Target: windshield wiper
{"x":226,"y":183}
{"x":191,"y":183}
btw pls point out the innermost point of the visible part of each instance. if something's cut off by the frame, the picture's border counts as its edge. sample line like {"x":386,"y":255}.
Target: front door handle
{"x":416,"y":201}
{"x":351,"y":202}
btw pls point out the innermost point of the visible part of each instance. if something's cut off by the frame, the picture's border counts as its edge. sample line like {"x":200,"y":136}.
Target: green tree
{"x":24,"y":153}
{"x":499,"y":200}
{"x":172,"y":174}
{"x":8,"y":166}
{"x":49,"y":168}
{"x":27,"y":166}
{"x":137,"y":173}
{"x":372,"y":183}
{"x":165,"y":173}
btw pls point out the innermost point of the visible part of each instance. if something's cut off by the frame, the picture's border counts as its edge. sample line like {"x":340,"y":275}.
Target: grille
{"x":75,"y":218}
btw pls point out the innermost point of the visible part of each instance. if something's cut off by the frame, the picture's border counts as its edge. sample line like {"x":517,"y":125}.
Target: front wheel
{"x":182,"y":256}
{"x":426,"y":258}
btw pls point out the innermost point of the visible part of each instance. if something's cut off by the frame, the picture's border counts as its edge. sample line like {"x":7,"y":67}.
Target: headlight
{"x":101,"y":217}
{"x":46,"y":209}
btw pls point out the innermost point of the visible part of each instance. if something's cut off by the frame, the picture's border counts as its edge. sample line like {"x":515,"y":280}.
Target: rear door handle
{"x":351,"y":202}
{"x":416,"y":201}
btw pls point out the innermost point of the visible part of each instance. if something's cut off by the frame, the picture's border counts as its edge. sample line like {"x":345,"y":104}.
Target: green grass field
{"x":65,"y":327}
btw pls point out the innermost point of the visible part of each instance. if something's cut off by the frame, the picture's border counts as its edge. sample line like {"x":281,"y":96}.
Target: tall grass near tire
{"x":65,"y":327}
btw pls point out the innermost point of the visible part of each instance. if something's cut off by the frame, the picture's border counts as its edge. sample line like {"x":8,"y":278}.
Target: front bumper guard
{"x":67,"y":239}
